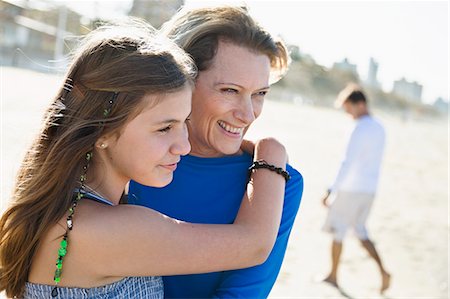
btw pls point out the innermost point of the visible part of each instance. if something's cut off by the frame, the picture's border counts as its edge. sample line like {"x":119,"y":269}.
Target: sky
{"x":408,"y":39}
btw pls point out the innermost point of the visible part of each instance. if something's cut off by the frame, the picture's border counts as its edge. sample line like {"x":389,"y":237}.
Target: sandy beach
{"x":409,"y":220}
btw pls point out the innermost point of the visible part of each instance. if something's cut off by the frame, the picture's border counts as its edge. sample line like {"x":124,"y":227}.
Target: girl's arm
{"x":135,"y":241}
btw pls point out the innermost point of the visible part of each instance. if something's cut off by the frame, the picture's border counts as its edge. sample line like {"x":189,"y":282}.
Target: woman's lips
{"x":229,"y":130}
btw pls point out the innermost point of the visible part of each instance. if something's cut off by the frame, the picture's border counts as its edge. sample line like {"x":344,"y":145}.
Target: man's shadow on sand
{"x":345,"y":294}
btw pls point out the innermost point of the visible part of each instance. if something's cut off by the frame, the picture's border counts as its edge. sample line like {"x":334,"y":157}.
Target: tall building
{"x":372,"y":80}
{"x":409,"y":90}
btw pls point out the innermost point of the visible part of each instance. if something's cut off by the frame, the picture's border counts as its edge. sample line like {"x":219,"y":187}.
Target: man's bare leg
{"x":336,"y":249}
{"x":385,"y":276}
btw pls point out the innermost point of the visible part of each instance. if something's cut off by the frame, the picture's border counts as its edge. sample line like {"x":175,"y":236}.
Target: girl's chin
{"x":159,"y":182}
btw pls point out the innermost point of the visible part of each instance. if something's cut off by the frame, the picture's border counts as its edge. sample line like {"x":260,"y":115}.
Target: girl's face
{"x":150,"y":145}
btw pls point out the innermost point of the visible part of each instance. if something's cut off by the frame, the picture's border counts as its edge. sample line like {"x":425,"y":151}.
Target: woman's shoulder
{"x":296,"y":176}
{"x":294,"y":187}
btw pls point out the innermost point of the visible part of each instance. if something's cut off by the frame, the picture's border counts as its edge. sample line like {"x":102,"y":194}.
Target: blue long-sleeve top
{"x":210,"y":190}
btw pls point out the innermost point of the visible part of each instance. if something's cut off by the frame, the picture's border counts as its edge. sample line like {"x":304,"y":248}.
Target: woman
{"x":236,"y":58}
{"x":121,"y":114}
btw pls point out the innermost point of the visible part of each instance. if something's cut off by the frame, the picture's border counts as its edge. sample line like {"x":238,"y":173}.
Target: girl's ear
{"x":102,"y":142}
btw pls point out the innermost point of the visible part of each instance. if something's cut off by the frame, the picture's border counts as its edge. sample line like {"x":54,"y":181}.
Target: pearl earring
{"x":103,"y":145}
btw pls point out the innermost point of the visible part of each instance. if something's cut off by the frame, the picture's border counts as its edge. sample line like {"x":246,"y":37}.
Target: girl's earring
{"x":103,"y":145}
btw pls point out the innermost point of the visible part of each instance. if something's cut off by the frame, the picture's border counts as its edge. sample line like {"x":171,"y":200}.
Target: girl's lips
{"x":170,"y":167}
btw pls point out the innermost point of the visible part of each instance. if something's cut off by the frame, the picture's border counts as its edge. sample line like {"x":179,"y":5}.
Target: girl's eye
{"x":166,"y":129}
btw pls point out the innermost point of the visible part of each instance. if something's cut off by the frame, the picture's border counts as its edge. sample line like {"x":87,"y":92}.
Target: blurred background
{"x":397,"y":50}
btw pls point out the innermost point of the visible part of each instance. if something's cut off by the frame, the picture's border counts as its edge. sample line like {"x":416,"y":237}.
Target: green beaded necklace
{"x":63,"y":245}
{"x":80,"y":194}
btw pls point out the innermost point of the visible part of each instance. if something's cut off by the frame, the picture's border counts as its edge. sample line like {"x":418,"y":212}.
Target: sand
{"x":409,"y":221}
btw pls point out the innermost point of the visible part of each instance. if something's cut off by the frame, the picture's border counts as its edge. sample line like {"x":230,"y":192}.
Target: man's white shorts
{"x":348,"y":210}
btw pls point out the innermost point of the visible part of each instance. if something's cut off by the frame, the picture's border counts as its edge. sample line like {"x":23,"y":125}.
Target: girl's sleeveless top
{"x":147,"y":287}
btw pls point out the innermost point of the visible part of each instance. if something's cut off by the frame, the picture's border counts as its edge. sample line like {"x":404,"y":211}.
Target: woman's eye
{"x":229,"y":90}
{"x":262,"y":93}
{"x":166,"y":129}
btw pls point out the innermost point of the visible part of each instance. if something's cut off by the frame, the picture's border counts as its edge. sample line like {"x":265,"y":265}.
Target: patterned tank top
{"x":147,"y":287}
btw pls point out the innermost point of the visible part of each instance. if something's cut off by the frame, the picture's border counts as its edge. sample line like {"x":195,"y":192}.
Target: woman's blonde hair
{"x":198,"y":32}
{"x":126,"y":58}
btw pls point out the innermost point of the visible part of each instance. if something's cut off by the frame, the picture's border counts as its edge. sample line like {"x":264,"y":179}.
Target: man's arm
{"x":354,"y":147}
{"x":257,"y":282}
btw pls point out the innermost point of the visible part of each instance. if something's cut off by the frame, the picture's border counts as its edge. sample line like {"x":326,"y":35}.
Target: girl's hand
{"x":272,"y":151}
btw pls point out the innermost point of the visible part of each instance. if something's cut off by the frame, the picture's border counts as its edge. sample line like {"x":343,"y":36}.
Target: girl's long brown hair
{"x":126,"y":58}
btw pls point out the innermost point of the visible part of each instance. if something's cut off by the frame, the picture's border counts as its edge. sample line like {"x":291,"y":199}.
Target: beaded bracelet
{"x":263,"y":164}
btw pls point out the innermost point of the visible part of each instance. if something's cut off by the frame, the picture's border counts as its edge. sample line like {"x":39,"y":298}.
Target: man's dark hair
{"x":352,"y":93}
{"x":356,"y":96}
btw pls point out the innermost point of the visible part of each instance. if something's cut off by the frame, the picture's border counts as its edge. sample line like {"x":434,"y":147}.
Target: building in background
{"x":33,"y":33}
{"x":346,"y":66}
{"x":372,"y":80}
{"x":441,"y":105}
{"x":38,"y":34}
{"x":411,"y":91}
{"x":156,"y":12}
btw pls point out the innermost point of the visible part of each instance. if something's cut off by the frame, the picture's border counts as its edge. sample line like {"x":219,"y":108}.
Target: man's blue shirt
{"x":210,"y":190}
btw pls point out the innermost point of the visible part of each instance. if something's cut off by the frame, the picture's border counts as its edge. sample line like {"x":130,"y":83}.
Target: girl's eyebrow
{"x":171,"y":120}
{"x":168,"y":121}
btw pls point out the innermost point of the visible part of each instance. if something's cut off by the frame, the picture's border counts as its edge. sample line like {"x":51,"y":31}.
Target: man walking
{"x":355,"y":185}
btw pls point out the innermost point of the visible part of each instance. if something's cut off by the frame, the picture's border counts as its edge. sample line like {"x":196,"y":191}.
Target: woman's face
{"x":228,"y":97}
{"x":150,"y":145}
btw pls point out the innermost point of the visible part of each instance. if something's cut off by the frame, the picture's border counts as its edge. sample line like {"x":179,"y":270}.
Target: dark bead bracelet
{"x":263,"y":164}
